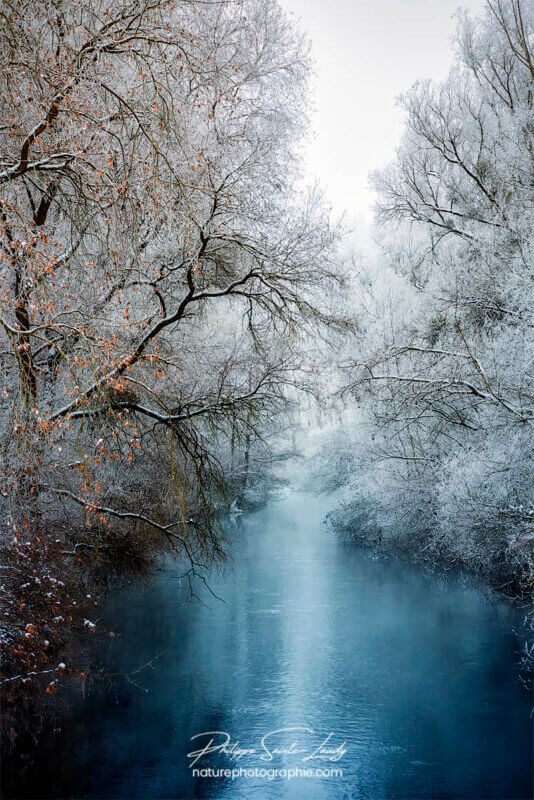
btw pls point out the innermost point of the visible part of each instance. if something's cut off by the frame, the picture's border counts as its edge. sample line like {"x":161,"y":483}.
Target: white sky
{"x":366,"y":53}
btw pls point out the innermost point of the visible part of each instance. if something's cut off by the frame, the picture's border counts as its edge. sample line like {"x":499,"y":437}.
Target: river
{"x":413,"y":678}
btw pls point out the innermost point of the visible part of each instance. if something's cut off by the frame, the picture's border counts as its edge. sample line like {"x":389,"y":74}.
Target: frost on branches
{"x":442,"y":447}
{"x":158,"y":265}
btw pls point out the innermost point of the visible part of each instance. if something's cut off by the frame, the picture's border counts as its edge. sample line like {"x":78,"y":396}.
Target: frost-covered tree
{"x":158,"y":265}
{"x":444,"y":371}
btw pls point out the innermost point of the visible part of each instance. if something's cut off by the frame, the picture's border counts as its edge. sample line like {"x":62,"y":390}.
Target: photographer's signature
{"x":280,"y":742}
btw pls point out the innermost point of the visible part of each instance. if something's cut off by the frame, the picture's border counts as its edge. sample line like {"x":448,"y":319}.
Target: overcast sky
{"x":366,"y":53}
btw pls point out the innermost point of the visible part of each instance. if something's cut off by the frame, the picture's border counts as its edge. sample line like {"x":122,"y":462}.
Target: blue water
{"x":414,"y":676}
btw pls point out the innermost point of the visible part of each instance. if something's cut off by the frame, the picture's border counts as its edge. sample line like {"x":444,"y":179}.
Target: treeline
{"x":161,"y":266}
{"x":440,"y":382}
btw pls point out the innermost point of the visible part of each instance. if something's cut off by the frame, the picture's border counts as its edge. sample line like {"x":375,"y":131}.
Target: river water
{"x":413,"y":679}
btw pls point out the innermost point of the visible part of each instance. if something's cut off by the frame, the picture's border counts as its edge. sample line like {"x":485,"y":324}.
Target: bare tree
{"x":158,"y":268}
{"x":444,"y":369}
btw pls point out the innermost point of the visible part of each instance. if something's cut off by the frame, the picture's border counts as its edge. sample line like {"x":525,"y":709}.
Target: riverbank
{"x":59,"y":654}
{"x":353,"y":523}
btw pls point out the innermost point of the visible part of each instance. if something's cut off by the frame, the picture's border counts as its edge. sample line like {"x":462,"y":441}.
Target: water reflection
{"x":416,"y":674}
